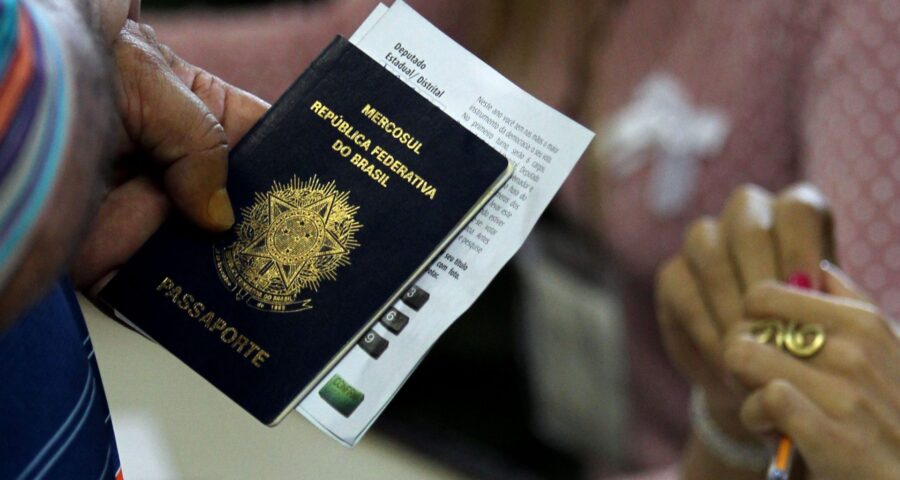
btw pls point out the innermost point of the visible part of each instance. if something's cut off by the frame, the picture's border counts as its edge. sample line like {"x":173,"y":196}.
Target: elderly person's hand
{"x":699,"y":291}
{"x":175,"y":123}
{"x":841,"y":407}
{"x":183,"y":120}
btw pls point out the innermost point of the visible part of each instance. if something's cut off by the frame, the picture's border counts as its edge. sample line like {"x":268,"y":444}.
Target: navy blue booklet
{"x":344,"y":193}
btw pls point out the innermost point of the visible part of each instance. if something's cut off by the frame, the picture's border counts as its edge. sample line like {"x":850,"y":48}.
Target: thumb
{"x":164,"y":117}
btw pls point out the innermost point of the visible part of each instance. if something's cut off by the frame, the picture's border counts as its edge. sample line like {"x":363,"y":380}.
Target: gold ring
{"x":801,"y":341}
{"x":768,"y":331}
{"x":804,"y":341}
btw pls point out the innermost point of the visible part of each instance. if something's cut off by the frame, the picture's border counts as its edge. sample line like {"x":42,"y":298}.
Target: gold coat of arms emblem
{"x":293,"y":237}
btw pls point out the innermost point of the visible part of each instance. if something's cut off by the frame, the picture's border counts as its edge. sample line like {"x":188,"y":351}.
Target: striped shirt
{"x":54,"y":419}
{"x":34,"y":123}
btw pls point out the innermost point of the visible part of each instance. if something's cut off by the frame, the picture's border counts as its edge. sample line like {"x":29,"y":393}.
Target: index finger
{"x":772,"y":299}
{"x":236,"y":109}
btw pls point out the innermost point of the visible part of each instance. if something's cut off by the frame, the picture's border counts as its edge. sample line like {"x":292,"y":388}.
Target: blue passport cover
{"x":344,"y":192}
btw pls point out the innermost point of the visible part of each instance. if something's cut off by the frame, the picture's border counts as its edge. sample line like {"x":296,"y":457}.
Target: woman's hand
{"x":842,"y":406}
{"x":699,"y":292}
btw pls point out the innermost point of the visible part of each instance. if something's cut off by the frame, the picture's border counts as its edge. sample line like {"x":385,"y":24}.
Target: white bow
{"x":661,"y":121}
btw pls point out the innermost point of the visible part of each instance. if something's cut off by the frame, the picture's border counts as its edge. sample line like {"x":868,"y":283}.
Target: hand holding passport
{"x":351,"y":196}
{"x":136,"y":207}
{"x":346,"y":190}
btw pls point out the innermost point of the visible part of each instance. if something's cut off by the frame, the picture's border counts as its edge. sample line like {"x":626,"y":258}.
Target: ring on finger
{"x":800,"y":340}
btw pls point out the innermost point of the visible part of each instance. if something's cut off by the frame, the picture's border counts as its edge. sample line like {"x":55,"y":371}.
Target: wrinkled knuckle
{"x":132,"y":55}
{"x":204,"y":84}
{"x":205,"y":138}
{"x":215,"y":131}
{"x":147,"y":32}
{"x":217,"y":148}
{"x":130,"y":27}
{"x":125,"y":44}
{"x":167,"y":54}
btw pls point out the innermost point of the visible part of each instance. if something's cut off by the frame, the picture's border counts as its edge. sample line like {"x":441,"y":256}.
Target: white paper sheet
{"x":543,"y":144}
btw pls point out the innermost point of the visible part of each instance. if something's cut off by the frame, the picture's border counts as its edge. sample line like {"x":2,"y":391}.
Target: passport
{"x":344,"y":193}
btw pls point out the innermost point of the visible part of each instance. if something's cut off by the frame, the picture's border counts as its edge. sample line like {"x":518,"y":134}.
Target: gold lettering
{"x":228,"y":335}
{"x":392,"y":129}
{"x":173,"y":293}
{"x":260,"y":357}
{"x":166,"y":283}
{"x":234,"y":334}
{"x":358,"y":138}
{"x":253,"y":347}
{"x":368,"y":110}
{"x":240,"y":343}
{"x":196,"y":310}
{"x":186,"y":301}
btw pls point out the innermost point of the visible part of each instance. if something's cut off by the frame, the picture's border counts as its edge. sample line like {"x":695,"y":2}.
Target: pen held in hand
{"x":783,"y":458}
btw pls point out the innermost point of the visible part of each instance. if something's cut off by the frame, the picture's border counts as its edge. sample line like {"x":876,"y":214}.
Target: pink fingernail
{"x":800,"y":279}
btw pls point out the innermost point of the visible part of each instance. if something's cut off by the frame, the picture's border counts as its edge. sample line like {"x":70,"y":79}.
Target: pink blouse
{"x":710,"y":94}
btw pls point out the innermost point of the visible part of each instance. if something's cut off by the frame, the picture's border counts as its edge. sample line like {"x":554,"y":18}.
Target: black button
{"x":415,"y":297}
{"x":394,"y":321}
{"x":373,"y":343}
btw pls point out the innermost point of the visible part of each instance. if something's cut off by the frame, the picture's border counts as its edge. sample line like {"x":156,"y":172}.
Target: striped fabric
{"x":54,"y":418}
{"x":34,"y":121}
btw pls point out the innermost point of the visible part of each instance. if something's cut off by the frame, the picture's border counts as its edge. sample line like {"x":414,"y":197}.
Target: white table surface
{"x":170,"y":423}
